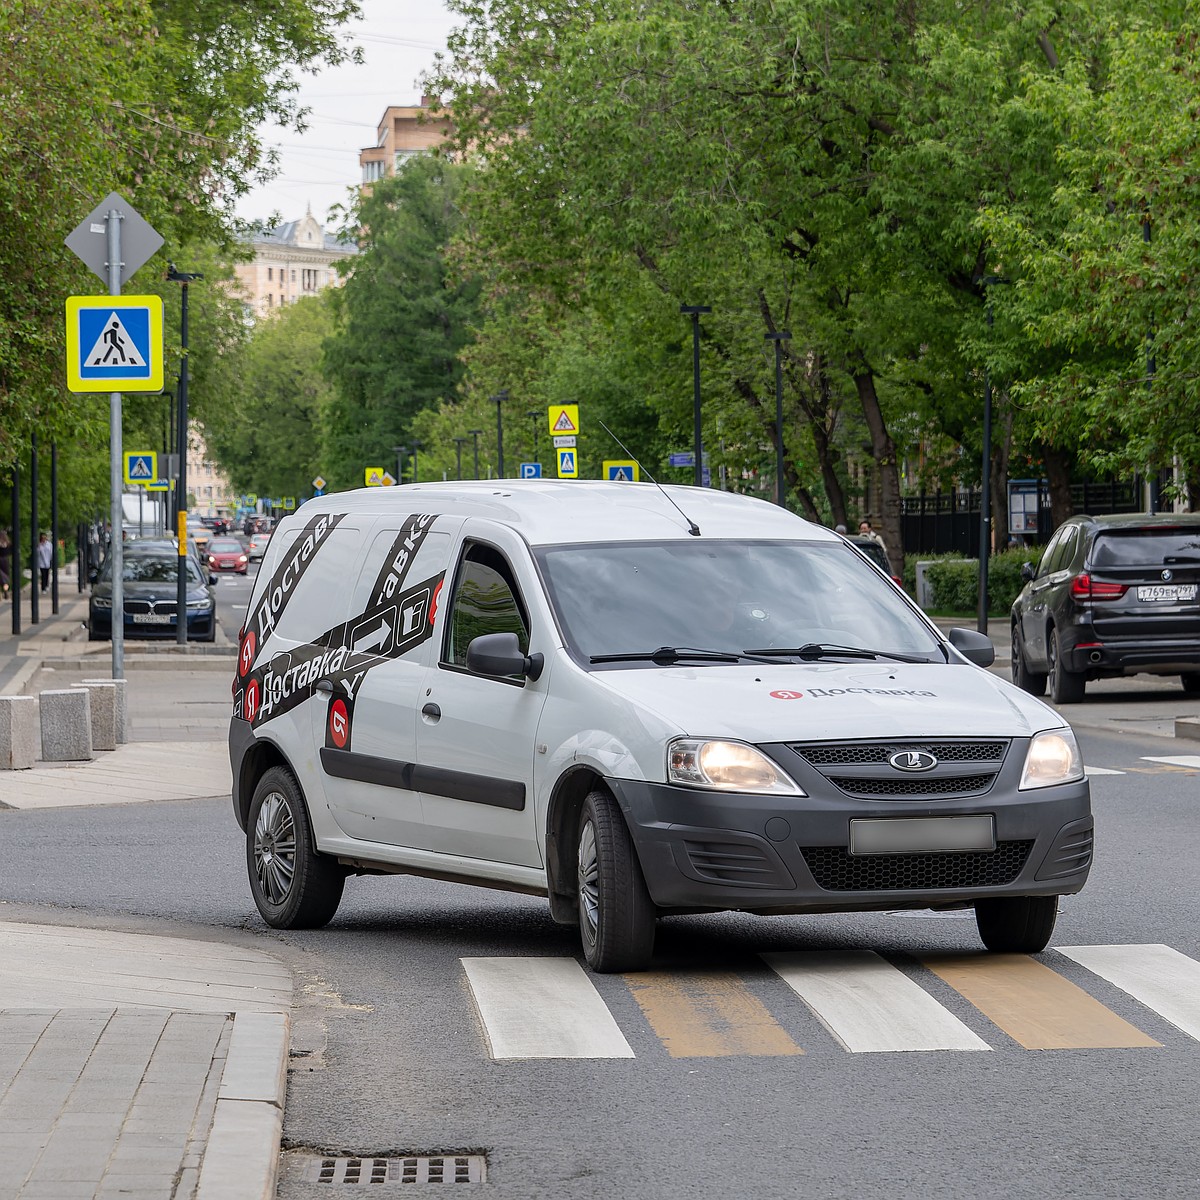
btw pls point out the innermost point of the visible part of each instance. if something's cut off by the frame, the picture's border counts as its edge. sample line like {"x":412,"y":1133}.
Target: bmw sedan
{"x":1111,"y":596}
{"x":150,"y":576}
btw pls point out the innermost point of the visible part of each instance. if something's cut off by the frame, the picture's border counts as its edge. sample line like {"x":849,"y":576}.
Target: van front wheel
{"x":1016,"y":924}
{"x":616,"y":914}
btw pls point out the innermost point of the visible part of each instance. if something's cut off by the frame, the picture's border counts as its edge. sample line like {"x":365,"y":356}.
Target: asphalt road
{"x":391,"y":1055}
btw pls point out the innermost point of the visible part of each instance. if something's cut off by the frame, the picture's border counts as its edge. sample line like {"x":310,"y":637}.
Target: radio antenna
{"x":693,"y":528}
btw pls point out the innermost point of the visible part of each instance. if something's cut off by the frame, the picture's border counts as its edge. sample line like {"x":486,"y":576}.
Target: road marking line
{"x":1157,"y":976}
{"x":1175,"y":760}
{"x":1034,"y":1005}
{"x":708,"y":1014}
{"x":869,"y":1005}
{"x":542,"y":1008}
{"x":1090,"y":771}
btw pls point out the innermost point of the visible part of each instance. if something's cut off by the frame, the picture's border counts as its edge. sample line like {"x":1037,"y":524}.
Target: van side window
{"x":486,"y":600}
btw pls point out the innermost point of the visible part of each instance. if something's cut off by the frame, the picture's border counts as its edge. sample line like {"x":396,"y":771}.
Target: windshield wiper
{"x":815,"y":650}
{"x":673,"y":654}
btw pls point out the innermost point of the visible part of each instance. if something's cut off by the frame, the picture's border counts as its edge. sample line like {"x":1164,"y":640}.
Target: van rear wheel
{"x":616,"y":914}
{"x":293,"y":886}
{"x":1016,"y":924}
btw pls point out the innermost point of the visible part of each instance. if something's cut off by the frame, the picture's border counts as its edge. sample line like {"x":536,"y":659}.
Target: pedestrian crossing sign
{"x":624,"y":469}
{"x":564,"y":418}
{"x":115,"y":344}
{"x":568,"y":464}
{"x":141,"y":466}
{"x":374,"y":476}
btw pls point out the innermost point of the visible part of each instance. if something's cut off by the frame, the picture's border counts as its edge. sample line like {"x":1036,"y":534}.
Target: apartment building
{"x":404,"y":131}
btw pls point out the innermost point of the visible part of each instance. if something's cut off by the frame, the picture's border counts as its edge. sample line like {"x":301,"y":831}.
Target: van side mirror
{"x":1027,"y":571}
{"x":974,"y":646}
{"x":499,"y":655}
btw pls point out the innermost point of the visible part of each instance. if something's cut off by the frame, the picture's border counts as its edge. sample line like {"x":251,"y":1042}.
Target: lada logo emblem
{"x":913,"y":760}
{"x":1168,"y":575}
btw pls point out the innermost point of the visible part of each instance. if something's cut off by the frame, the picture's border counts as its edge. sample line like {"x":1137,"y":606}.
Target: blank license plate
{"x":152,"y":618}
{"x":922,"y":835}
{"x":1168,"y":591}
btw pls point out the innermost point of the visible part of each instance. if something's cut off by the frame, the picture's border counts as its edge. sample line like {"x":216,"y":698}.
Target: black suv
{"x":1116,"y":595}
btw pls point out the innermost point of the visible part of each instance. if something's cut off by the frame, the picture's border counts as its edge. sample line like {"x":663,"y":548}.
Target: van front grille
{"x":836,"y":870}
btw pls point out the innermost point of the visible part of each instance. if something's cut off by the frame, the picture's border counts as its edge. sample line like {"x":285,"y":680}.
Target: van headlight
{"x":728,"y":766}
{"x":1053,"y":757}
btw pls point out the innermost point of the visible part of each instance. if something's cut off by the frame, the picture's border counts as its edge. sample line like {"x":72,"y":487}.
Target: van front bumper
{"x":703,"y":849}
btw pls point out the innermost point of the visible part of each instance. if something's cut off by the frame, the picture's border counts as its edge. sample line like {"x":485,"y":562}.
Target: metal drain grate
{"x":430,"y":1168}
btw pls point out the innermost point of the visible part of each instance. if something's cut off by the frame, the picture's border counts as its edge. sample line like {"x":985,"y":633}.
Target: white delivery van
{"x":633,"y":700}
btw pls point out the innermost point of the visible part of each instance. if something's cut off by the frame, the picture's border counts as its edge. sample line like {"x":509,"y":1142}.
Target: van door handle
{"x":325,"y":687}
{"x":432,"y":711}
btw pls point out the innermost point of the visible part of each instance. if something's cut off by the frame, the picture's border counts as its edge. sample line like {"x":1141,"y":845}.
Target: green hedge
{"x":954,"y":582}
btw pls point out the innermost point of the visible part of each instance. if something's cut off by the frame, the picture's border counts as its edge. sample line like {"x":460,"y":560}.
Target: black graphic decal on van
{"x":392,"y":624}
{"x":343,"y":655}
{"x":261,"y":622}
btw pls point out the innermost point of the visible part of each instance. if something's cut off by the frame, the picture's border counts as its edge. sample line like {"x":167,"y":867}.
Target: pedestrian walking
{"x":45,"y":556}
{"x":5,"y":564}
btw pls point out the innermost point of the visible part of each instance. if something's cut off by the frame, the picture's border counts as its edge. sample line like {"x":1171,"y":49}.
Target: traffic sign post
{"x":115,"y":343}
{"x":96,"y":240}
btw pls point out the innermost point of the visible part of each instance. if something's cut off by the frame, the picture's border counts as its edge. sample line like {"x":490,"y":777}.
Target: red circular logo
{"x":786,"y":694}
{"x":246,"y":654}
{"x":251,"y":707}
{"x":339,"y":723}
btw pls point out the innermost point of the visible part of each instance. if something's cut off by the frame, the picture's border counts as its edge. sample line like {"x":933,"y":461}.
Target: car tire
{"x":1191,"y":682}
{"x":1033,"y":682}
{"x":93,"y":636}
{"x":1066,"y":687}
{"x":616,"y":914}
{"x":1016,"y":924}
{"x":293,"y":886}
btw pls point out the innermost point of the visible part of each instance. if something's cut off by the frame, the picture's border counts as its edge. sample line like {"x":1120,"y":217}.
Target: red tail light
{"x":1085,"y":588}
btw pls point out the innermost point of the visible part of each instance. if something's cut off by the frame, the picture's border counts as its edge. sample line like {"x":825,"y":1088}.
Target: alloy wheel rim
{"x":589,"y":883}
{"x":275,"y":848}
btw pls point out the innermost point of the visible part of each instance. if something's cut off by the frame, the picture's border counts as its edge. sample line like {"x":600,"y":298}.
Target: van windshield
{"x":622,"y":598}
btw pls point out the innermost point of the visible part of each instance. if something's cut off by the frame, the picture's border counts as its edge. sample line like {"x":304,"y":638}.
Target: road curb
{"x":1188,"y":727}
{"x":241,"y":1158}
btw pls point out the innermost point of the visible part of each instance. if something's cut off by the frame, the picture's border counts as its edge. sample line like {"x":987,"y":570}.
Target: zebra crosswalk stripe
{"x":1175,"y":760}
{"x":869,"y":1005}
{"x":542,"y":1008}
{"x":1158,"y":976}
{"x":1038,"y":1008}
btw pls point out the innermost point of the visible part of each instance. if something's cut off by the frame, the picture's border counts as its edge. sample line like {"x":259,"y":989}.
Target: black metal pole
{"x":981,"y":615}
{"x":500,"y":398}
{"x":1154,"y":495}
{"x":181,"y":487}
{"x":475,"y":438}
{"x":34,"y":535}
{"x":694,"y":311}
{"x":54,"y":527}
{"x":779,"y":338}
{"x":458,"y":445}
{"x":80,"y":546}
{"x":537,"y":416}
{"x":18,"y":570}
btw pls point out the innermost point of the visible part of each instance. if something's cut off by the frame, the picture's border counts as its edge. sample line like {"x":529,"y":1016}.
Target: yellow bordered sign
{"x":115,"y":343}
{"x":623,"y":469}
{"x":563,"y":418}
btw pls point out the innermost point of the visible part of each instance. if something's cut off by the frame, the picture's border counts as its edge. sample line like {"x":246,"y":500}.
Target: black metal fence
{"x":948,"y":522}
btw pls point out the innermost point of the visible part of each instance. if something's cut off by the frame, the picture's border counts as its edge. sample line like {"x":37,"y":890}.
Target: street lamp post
{"x":458,"y":445}
{"x":475,"y":443}
{"x":415,"y":447}
{"x":536,"y":417}
{"x":183,"y":278}
{"x":399,"y":452}
{"x":779,"y":337}
{"x":500,"y":398}
{"x":694,"y":311}
{"x":985,"y":499}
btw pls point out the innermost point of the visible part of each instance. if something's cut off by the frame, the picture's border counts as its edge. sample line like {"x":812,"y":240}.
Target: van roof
{"x":553,"y":511}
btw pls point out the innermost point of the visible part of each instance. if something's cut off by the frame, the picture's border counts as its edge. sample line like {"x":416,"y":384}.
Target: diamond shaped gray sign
{"x":89,"y":239}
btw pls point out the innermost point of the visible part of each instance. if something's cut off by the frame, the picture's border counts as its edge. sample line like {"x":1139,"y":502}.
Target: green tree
{"x":402,"y":321}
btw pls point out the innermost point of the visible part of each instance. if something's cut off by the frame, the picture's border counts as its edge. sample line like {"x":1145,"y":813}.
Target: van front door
{"x":476,"y":734}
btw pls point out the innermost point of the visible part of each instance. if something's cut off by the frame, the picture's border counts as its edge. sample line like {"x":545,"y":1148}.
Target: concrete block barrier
{"x":119,"y":689}
{"x":66,"y":725}
{"x":18,"y":732}
{"x":103,"y":706}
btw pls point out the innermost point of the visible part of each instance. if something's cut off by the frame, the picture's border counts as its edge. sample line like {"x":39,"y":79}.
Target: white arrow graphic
{"x":377,"y":637}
